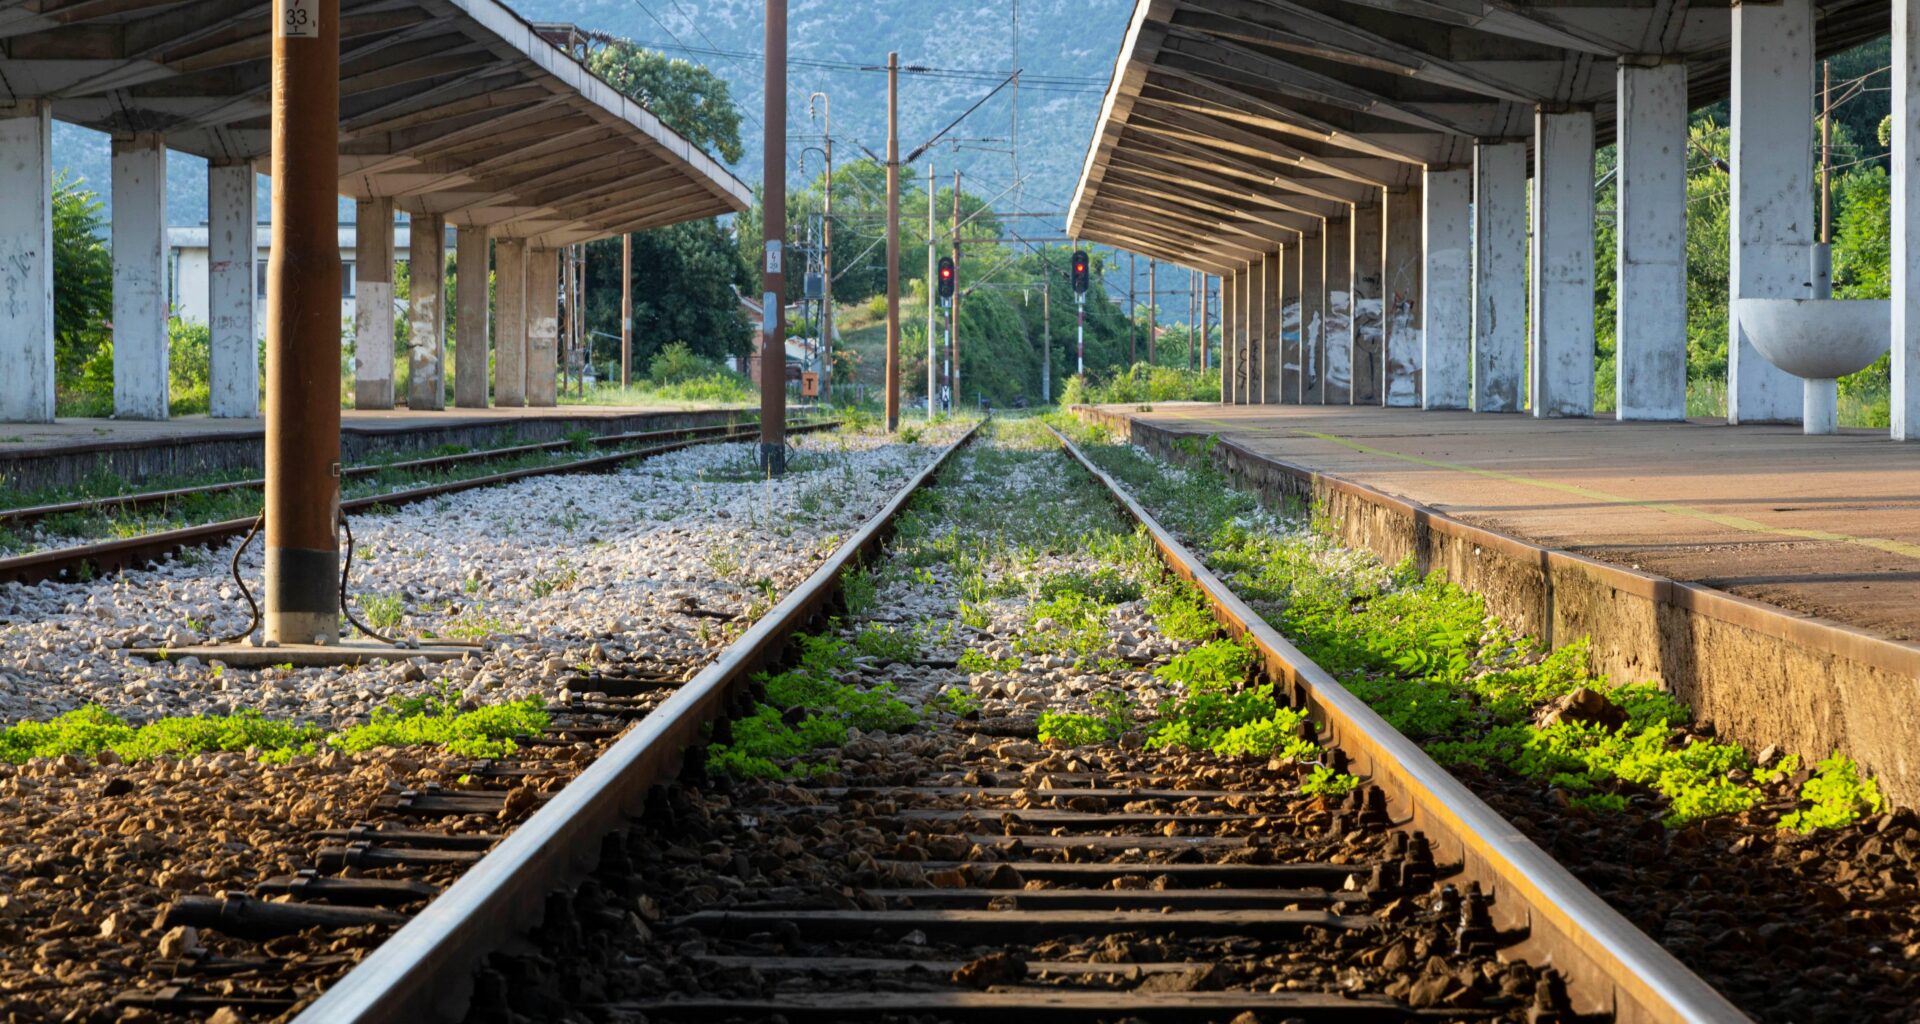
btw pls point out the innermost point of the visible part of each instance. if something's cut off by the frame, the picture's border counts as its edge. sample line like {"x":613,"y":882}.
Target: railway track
{"x":964,"y":873}
{"x":87,"y":560}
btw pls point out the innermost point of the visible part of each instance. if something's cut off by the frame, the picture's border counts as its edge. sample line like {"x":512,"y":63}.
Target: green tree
{"x":687,"y":97}
{"x":82,"y":276}
{"x":685,"y":278}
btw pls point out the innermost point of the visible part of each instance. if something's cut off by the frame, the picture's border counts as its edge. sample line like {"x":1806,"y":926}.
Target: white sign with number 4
{"x":299,"y":19}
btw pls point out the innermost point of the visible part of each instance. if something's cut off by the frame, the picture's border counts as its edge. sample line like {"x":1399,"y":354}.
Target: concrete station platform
{"x":38,"y":455}
{"x":1816,"y":539}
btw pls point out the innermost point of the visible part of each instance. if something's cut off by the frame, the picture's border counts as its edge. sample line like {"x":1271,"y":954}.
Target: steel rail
{"x":424,"y":971}
{"x":1611,"y":965}
{"x":29,"y":513}
{"x":132,"y":552}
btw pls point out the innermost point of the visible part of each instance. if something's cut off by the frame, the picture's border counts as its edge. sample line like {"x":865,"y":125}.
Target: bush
{"x":678,"y":364}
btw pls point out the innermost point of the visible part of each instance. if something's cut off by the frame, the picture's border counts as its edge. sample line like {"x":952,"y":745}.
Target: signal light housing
{"x":1080,"y":272}
{"x":946,"y":277}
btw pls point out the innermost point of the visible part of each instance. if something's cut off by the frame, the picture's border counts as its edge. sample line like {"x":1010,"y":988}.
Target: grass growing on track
{"x":488,"y":731}
{"x":1426,"y":655}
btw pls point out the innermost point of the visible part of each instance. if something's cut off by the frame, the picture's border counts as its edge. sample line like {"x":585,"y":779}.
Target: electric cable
{"x":346,"y":609}
{"x":240,"y":581}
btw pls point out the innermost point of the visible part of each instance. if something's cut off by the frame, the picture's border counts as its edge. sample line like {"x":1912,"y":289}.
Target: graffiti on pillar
{"x":18,"y":268}
{"x":1367,"y":339}
{"x":1339,"y":335}
{"x":1403,"y":353}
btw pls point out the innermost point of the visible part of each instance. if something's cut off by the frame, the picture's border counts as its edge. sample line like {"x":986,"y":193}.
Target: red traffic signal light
{"x":1080,"y":273}
{"x":946,"y":277}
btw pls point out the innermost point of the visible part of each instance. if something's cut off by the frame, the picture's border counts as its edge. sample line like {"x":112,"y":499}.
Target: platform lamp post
{"x":893,"y":243}
{"x":826,"y":248}
{"x":303,"y":329}
{"x":773,"y":278}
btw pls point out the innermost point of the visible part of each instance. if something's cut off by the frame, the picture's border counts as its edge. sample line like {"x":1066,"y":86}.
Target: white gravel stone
{"x":562,"y":571}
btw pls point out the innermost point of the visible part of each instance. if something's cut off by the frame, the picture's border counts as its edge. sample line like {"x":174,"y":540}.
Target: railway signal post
{"x":1080,"y":274}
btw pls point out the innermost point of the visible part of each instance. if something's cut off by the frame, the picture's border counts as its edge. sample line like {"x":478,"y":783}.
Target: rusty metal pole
{"x":953,"y":305}
{"x":1153,"y":308}
{"x":773,"y":286}
{"x":893,"y":242}
{"x":303,"y":328}
{"x":1133,"y":315}
{"x":626,"y":310}
{"x":826,"y":263}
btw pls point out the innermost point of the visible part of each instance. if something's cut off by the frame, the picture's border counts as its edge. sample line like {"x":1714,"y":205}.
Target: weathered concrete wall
{"x":1760,"y":674}
{"x":1369,"y":327}
{"x":1561,"y":325}
{"x":427,"y":313}
{"x":472,"y":335}
{"x":139,"y":229}
{"x":373,"y":304}
{"x":192,"y":454}
{"x":1401,"y":297}
{"x":1651,"y":261}
{"x":1446,"y":312}
{"x":1313,"y":317}
{"x":1499,"y":275}
{"x":1337,"y":329}
{"x":1273,"y":267}
{"x":234,"y":348}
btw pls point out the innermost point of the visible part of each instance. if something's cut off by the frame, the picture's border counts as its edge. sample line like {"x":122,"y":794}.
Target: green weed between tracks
{"x":998,"y":520}
{"x":1425,"y":654}
{"x":489,"y":731}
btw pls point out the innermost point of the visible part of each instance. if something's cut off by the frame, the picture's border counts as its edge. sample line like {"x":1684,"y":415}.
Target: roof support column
{"x":1650,"y":268}
{"x":1400,"y":298}
{"x":1270,"y":333}
{"x":1906,"y":223}
{"x":233,"y":371}
{"x":1562,"y":272}
{"x":26,"y":262}
{"x":510,"y":322}
{"x":543,"y":326}
{"x":1313,"y":316}
{"x":427,"y":312}
{"x":1369,"y":275}
{"x":1446,"y":303}
{"x":470,"y":255}
{"x":140,"y":365}
{"x":1337,"y":349}
{"x":1770,"y":224}
{"x":373,"y":303}
{"x":1246,"y":297}
{"x":1228,"y":318}
{"x":1291,"y":276}
{"x":1499,"y":274}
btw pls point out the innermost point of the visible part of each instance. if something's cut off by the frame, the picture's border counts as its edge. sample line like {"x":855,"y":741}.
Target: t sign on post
{"x":300,"y":19}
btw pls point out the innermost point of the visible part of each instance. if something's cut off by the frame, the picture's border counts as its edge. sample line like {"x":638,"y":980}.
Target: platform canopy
{"x":454,"y":107}
{"x":1231,"y":124}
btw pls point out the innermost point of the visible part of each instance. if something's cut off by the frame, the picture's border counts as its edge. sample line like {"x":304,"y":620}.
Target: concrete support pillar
{"x":1226,"y":339}
{"x":510,"y":322}
{"x":427,"y":312}
{"x":1650,"y":330}
{"x":1562,"y":273}
{"x":26,"y":262}
{"x":373,"y":304}
{"x":1499,"y":274}
{"x":1401,"y":297}
{"x":1243,"y":373}
{"x":140,"y":363}
{"x":472,"y":256}
{"x":1270,"y":355}
{"x":1446,"y":302}
{"x":1337,"y":345}
{"x":1906,"y":222}
{"x":1290,"y":277}
{"x":543,"y":326}
{"x":1770,"y":220}
{"x":1313,"y":316}
{"x":1369,"y":277}
{"x":232,"y":255}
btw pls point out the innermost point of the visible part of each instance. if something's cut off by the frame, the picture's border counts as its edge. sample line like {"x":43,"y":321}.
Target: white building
{"x":188,"y":268}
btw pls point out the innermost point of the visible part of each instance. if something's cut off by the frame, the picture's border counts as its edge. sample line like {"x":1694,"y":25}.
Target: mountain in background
{"x":1066,"y":52}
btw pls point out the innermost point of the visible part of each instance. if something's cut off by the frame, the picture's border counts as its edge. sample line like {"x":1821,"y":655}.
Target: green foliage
{"x":977,"y":661}
{"x":688,"y":97}
{"x":1324,"y":781}
{"x":1070,"y":624}
{"x":1144,"y":383}
{"x":764,"y":744}
{"x":1106,"y":585}
{"x":677,"y":364}
{"x":92,"y":729}
{"x":1112,"y":717}
{"x":886,"y":643}
{"x":858,"y":587}
{"x":82,"y":278}
{"x":1837,"y":795}
{"x":956,"y":701}
{"x":1180,"y":611}
{"x":488,"y":731}
{"x":384,"y":611}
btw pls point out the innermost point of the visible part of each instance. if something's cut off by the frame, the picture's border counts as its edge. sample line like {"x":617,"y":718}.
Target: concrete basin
{"x":1818,"y":339}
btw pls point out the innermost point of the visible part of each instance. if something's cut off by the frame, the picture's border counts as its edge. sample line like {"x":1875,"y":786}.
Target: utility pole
{"x":773,"y":280}
{"x":893,"y":241}
{"x":1153,"y":308}
{"x":953,"y":304}
{"x":626,"y":310}
{"x":1206,"y":316}
{"x":826,"y":258}
{"x":303,"y":329}
{"x":1046,"y":334}
{"x":933,"y":358}
{"x":1133,"y":315}
{"x":1193,"y":317}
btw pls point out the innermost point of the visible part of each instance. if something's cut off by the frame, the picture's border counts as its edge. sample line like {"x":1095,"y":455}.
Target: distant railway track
{"x":1001,"y":846}
{"x":86,"y":560}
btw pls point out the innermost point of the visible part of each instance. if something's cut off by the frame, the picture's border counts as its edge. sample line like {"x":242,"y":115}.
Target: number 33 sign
{"x":299,"y":19}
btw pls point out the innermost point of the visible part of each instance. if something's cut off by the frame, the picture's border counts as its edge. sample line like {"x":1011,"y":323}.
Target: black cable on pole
{"x":240,"y":581}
